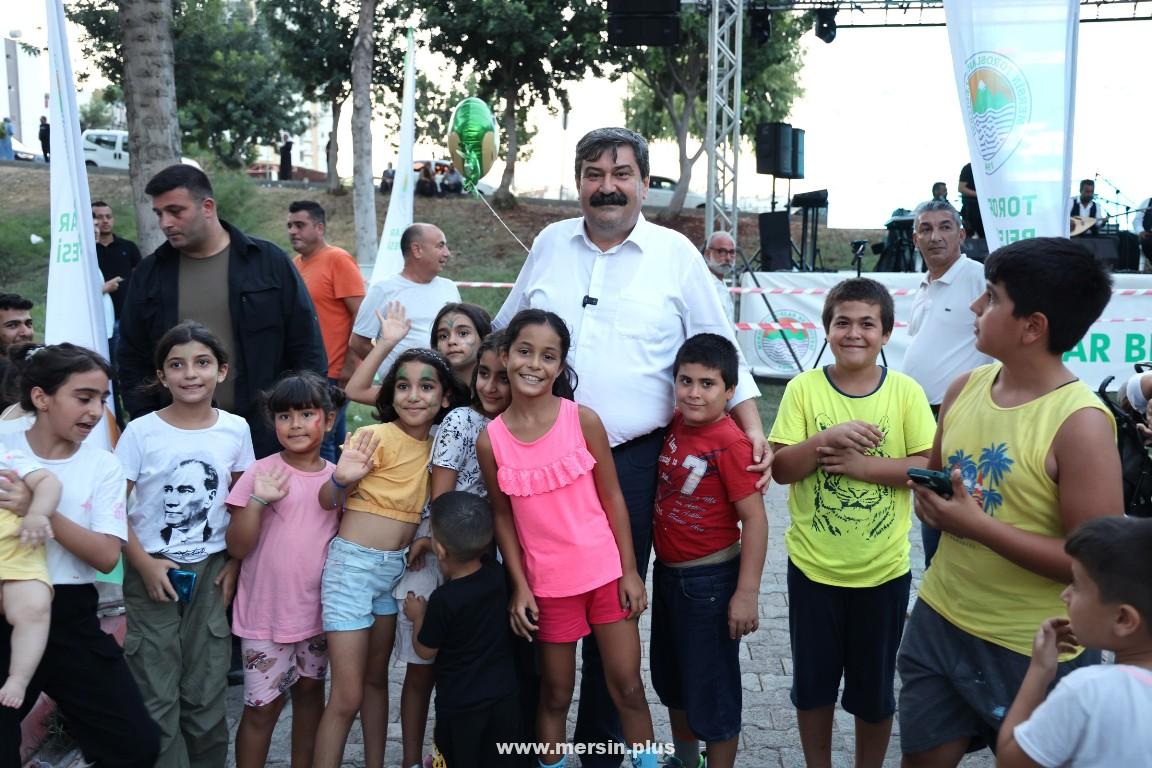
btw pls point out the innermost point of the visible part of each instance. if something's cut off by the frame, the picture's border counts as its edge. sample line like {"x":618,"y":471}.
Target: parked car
{"x":108,"y":148}
{"x":24,"y":152}
{"x":661,"y":189}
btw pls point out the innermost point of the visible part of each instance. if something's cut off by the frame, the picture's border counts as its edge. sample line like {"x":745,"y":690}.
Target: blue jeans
{"x":330,"y":448}
{"x":597,"y":720}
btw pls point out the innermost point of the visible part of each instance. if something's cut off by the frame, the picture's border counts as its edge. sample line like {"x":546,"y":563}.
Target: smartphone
{"x":938,"y":481}
{"x":183,"y":582}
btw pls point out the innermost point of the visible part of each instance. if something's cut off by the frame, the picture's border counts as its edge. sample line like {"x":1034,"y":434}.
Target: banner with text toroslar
{"x":1015,"y":64}
{"x":1121,"y":337}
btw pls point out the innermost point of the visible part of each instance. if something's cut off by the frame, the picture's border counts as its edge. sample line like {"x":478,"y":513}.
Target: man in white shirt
{"x":942,"y":331}
{"x":418,"y":287}
{"x":1085,"y":206}
{"x":720,"y":256}
{"x":632,"y":293}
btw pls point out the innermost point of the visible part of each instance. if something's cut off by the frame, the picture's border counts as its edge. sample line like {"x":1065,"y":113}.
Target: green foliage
{"x":232,"y":86}
{"x":316,"y":37}
{"x":665,"y":77}
{"x":100,"y":110}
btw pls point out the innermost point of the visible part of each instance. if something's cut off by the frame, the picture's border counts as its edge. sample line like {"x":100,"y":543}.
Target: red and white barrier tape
{"x":787,"y":325}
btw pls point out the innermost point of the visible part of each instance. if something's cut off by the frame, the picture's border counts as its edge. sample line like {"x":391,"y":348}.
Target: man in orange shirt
{"x":334,"y":281}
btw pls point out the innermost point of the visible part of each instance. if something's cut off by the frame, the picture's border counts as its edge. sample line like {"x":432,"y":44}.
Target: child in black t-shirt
{"x":464,"y":626}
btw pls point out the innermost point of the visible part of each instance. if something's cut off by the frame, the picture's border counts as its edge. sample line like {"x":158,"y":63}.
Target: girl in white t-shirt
{"x":181,"y":460}
{"x":83,"y":669}
{"x":281,"y":533}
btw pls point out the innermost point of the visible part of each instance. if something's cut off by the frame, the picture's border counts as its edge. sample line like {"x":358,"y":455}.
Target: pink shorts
{"x":272,"y":668}
{"x":567,"y":619}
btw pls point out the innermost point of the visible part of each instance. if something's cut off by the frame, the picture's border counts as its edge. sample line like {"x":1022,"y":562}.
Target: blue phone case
{"x":183,"y":582}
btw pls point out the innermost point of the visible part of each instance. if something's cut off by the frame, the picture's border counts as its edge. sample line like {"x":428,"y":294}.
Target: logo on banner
{"x":771,"y":347}
{"x":999,"y":106}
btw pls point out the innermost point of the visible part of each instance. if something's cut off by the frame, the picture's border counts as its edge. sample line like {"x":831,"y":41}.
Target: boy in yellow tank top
{"x":844,"y":438}
{"x":1032,"y":454}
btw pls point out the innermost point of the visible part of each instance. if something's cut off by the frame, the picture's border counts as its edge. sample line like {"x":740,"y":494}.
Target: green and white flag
{"x":1015,"y":65}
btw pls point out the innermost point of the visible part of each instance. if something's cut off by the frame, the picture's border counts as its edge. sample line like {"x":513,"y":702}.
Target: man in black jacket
{"x":244,"y":289}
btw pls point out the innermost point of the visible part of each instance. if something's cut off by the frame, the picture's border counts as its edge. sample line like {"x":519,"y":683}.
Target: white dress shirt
{"x":651,"y":292}
{"x":725,"y":297}
{"x":942,"y":331}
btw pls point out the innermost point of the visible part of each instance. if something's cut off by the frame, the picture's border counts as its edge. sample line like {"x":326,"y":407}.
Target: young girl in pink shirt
{"x":563,"y":530}
{"x":281,"y":533}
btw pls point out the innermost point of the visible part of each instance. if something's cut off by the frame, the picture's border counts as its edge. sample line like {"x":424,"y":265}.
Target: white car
{"x":24,"y":152}
{"x":661,"y":189}
{"x":107,"y":148}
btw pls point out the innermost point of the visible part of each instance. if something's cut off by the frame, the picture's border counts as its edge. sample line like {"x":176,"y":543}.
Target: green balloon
{"x":472,"y":140}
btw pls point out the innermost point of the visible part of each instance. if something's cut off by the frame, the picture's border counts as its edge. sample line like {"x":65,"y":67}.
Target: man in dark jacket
{"x":244,"y":289}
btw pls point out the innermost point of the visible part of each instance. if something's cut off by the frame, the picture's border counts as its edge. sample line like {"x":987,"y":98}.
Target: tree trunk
{"x":363,"y":190}
{"x":333,"y":150}
{"x":150,"y":100}
{"x":503,"y":197}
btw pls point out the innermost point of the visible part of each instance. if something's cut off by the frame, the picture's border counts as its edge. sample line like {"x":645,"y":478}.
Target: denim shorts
{"x":695,"y":662}
{"x":954,"y":685}
{"x":357,"y":585}
{"x":846,"y":632}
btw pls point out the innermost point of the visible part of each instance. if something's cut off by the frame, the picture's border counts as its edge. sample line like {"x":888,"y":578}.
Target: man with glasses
{"x":720,"y":256}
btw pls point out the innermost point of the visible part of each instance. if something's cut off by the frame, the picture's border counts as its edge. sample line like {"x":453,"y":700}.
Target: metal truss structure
{"x":930,"y":13}
{"x":726,"y":46}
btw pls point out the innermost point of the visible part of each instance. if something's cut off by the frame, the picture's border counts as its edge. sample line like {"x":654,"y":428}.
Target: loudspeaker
{"x":643,"y":7}
{"x":774,"y":149}
{"x":775,"y":241}
{"x":644,"y":22}
{"x":797,"y":153}
{"x":654,"y":30}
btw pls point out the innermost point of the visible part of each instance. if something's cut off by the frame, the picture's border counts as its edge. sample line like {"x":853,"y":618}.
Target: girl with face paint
{"x":456,"y":334}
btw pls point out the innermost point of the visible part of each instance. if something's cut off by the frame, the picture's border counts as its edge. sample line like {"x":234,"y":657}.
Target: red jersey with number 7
{"x":702,"y":474}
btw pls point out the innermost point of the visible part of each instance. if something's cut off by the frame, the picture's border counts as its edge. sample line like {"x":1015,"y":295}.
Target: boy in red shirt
{"x":706,"y":582}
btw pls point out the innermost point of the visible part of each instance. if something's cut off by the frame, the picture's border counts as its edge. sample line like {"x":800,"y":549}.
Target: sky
{"x":881,"y":116}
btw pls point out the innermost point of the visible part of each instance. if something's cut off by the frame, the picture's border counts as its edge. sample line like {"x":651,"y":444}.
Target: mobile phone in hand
{"x":183,"y":582}
{"x":938,"y":481}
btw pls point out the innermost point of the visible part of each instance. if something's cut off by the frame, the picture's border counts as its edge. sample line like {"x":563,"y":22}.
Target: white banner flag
{"x":75,"y":308}
{"x":389,"y":260}
{"x":1015,"y":64}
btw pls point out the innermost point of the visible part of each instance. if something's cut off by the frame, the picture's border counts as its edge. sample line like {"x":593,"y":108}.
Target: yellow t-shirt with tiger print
{"x":846,"y":532}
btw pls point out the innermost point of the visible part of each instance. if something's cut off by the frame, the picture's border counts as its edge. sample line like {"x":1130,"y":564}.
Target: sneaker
{"x":675,"y":762}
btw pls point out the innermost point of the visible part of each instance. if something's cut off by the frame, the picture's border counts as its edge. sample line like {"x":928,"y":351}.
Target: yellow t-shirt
{"x":398,"y":486}
{"x":846,"y":532}
{"x":1001,"y":453}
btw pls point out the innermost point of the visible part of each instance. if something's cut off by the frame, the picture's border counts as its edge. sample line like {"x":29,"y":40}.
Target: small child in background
{"x":711,"y":536}
{"x":381,"y":481}
{"x":463,"y":627}
{"x":1096,"y":716}
{"x":457,"y":332}
{"x":281,"y":534}
{"x":454,"y":468}
{"x":25,"y":589}
{"x":844,"y":438}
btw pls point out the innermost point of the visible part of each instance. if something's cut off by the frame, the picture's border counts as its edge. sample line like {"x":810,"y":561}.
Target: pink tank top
{"x":567,"y":544}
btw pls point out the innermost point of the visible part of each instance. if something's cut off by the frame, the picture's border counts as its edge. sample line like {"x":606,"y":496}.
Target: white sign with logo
{"x":1122,"y":336}
{"x":1015,"y":65}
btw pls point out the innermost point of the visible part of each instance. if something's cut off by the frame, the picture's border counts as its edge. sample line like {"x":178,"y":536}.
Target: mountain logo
{"x":999,"y":106}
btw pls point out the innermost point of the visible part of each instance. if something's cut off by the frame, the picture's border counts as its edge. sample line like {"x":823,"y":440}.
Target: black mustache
{"x":614,"y":198}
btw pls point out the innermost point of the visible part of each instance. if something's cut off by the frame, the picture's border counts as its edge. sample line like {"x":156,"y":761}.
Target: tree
{"x":668,"y":97}
{"x":232,"y":89}
{"x":150,"y":98}
{"x":363,"y":181}
{"x":522,"y":52}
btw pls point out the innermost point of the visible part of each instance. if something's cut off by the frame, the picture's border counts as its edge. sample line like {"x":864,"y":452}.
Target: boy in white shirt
{"x":1097,"y":716}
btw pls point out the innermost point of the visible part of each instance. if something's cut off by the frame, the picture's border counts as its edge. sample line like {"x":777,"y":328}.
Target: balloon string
{"x":485,"y":201}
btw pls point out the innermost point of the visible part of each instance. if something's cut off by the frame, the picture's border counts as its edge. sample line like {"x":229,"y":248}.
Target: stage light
{"x":760,"y":23}
{"x":825,"y":26}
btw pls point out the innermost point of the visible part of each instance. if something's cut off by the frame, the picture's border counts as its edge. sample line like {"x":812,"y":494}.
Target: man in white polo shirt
{"x":942,"y":331}
{"x":631,"y":292}
{"x":418,"y":287}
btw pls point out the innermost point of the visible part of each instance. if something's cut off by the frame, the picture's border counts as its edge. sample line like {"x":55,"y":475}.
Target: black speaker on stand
{"x":774,"y":149}
{"x":775,"y":242}
{"x":644,"y":22}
